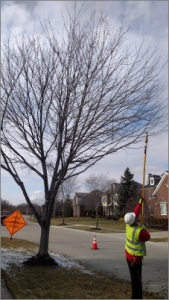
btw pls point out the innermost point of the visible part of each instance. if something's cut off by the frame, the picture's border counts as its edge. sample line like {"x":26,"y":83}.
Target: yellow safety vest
{"x":133,"y":245}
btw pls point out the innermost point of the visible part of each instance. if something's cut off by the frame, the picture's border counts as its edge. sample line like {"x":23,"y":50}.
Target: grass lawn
{"x":87,"y":223}
{"x":60,"y":282}
{"x":102,"y":222}
{"x":111,"y":224}
{"x":105,"y":226}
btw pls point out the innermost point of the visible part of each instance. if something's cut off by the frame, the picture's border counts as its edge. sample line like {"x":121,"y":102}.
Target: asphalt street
{"x":109,"y":258}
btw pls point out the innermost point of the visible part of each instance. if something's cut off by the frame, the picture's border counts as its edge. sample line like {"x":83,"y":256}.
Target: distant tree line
{"x":25,"y":209}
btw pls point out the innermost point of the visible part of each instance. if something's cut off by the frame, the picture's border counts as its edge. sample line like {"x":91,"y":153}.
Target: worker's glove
{"x":141,"y":200}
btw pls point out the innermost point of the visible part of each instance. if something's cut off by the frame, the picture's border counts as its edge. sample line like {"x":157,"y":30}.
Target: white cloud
{"x":37,"y":192}
{"x":37,"y":196}
{"x":33,"y":198}
{"x":14,"y":15}
{"x":135,"y":10}
{"x":14,"y":18}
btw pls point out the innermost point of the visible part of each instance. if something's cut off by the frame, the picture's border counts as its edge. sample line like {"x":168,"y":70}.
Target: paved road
{"x":109,"y":257}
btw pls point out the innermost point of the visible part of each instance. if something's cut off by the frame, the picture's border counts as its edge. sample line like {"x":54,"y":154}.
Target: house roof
{"x":80,"y":194}
{"x":160,"y":182}
{"x":156,"y":178}
{"x":83,"y":197}
{"x":114,"y":186}
{"x":82,"y":201}
{"x":139,"y":185}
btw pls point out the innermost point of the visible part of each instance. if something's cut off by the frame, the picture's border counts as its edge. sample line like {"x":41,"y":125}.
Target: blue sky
{"x":144,"y":18}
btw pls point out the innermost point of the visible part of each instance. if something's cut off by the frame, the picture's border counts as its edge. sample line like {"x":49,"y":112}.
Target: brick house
{"x":84,"y":204}
{"x":156,"y":195}
{"x":156,"y":199}
{"x":79,"y":204}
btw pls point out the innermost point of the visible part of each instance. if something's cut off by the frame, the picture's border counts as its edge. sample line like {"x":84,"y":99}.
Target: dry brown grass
{"x":93,"y":229}
{"x":86,"y":223}
{"x":61,"y":283}
{"x":162,"y":239}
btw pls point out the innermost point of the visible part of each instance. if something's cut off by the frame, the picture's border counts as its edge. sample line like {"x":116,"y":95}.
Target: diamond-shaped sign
{"x":14,"y":222}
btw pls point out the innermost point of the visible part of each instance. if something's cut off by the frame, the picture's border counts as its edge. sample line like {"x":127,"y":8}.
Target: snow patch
{"x":17,"y":256}
{"x":14,"y":256}
{"x":67,"y":263}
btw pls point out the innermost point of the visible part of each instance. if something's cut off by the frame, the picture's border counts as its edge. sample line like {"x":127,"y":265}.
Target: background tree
{"x":97,"y":184}
{"x":68,"y":207}
{"x":7,"y":205}
{"x":22,"y":207}
{"x":71,"y":98}
{"x":128,"y":192}
{"x":57,"y":210}
{"x":38,"y":204}
{"x":93,"y":204}
{"x":64,"y":192}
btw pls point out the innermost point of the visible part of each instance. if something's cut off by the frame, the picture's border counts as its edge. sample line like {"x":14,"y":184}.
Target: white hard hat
{"x":129,"y":218}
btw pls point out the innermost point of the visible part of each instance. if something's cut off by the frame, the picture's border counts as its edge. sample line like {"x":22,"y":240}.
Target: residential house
{"x":156,"y":199}
{"x":79,"y":204}
{"x":109,"y":200}
{"x":84,"y":204}
{"x":156,"y":195}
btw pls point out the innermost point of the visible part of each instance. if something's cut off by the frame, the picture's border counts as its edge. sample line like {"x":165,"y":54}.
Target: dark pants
{"x":136,"y":282}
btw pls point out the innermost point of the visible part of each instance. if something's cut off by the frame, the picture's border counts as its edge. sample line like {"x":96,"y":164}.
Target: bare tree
{"x":97,"y":184}
{"x":65,"y":190}
{"x":70,"y":99}
{"x":6,"y":205}
{"x":57,"y":210}
{"x":22,"y":207}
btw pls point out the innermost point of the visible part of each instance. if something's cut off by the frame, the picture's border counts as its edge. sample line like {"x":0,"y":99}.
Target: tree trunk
{"x":63,"y":213}
{"x":44,"y":239}
{"x":97,"y":217}
{"x":42,"y":258}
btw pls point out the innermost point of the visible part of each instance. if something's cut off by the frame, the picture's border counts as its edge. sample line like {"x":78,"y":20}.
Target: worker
{"x":135,"y":249}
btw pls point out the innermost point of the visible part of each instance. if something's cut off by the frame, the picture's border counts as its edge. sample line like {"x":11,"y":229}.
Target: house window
{"x":104,"y":200}
{"x":115,"y":197}
{"x":163,"y":207}
{"x":151,"y":181}
{"x":150,"y":210}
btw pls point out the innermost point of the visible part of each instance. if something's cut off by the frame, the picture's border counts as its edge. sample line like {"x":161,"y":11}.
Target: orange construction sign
{"x":14,"y":222}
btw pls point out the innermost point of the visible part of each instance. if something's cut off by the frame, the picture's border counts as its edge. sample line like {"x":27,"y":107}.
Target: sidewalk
{"x":5,"y":293}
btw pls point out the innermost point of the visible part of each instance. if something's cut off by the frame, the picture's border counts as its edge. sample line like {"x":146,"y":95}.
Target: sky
{"x":145,"y":19}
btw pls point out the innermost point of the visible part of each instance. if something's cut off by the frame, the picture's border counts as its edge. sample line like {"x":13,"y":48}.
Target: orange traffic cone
{"x":94,"y":245}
